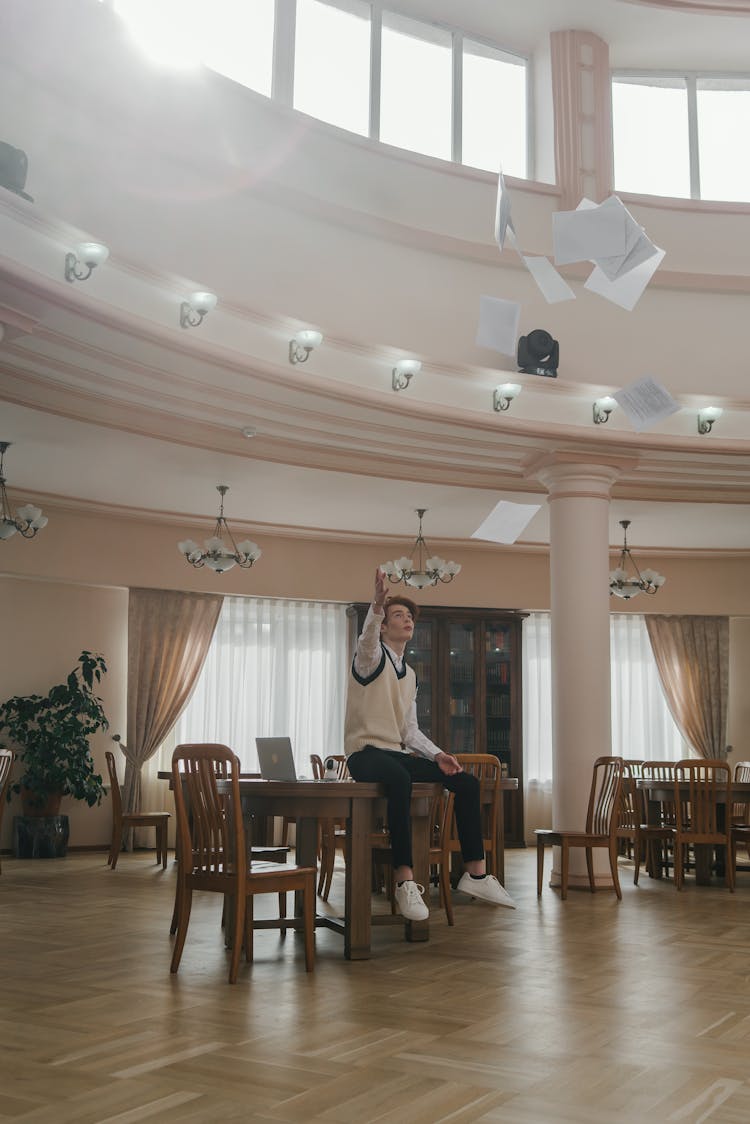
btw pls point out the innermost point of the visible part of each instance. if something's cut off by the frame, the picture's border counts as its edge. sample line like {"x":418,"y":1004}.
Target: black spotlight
{"x":538,"y":354}
{"x":14,"y":166}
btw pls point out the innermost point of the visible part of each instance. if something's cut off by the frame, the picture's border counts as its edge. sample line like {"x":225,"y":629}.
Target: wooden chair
{"x":212,"y":854}
{"x":6,"y":764}
{"x":741,"y":812}
{"x":657,"y":839}
{"x":631,"y":811}
{"x":486,"y":767}
{"x":704,"y":819}
{"x":332,"y":835}
{"x":601,"y":828}
{"x":122,"y":820}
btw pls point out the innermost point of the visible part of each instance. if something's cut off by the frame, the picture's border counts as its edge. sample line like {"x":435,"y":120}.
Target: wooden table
{"x":358,"y":805}
{"x":658,"y":792}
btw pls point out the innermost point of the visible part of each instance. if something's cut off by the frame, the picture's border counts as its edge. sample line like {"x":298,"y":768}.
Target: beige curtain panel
{"x":169,"y":634}
{"x":692,"y":655}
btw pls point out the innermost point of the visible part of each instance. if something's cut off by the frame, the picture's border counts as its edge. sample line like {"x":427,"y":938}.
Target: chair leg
{"x":679,"y":872}
{"x":282,"y":910}
{"x":161,"y":843}
{"x":115,"y":849}
{"x":445,"y":892}
{"x":308,"y":900}
{"x":185,"y":900}
{"x":731,"y":854}
{"x":615,"y":872}
{"x":590,"y":868}
{"x":564,"y":862}
{"x":539,"y":866}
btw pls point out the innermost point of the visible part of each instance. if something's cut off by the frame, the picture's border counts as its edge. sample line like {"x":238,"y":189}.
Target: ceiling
{"x":111,"y":406}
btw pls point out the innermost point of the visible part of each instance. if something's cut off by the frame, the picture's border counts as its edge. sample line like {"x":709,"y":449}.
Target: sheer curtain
{"x":274,"y":668}
{"x":642,"y":726}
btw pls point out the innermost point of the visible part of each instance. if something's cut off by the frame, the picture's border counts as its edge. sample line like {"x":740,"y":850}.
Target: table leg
{"x":421,"y":830}
{"x":500,"y":841}
{"x":357,"y":923}
{"x":306,"y":853}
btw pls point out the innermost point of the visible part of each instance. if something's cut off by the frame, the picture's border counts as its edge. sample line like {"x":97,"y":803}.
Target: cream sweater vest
{"x":376,"y":707}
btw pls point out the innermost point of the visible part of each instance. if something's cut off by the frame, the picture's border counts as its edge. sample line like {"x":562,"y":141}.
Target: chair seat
{"x":595,"y":839}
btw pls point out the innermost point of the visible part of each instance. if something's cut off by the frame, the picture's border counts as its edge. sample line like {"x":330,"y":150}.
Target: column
{"x":579,"y":491}
{"x":583,"y":118}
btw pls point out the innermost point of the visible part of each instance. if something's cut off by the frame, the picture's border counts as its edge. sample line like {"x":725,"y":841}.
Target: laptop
{"x":276,"y":759}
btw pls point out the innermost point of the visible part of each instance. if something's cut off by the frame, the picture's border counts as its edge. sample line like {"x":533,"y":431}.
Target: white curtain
{"x":642,"y":726}
{"x":274,"y":668}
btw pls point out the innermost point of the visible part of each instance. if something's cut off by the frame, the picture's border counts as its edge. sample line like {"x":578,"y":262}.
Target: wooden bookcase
{"x":468,"y":666}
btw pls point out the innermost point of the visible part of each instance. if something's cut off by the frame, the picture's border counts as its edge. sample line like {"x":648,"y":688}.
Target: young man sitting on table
{"x":383,"y":743}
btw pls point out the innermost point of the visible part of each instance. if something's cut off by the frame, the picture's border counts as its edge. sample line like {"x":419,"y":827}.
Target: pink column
{"x":583,"y":119}
{"x":579,"y":492}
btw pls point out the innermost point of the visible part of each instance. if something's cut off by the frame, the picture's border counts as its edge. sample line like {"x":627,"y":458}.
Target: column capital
{"x":566,"y":474}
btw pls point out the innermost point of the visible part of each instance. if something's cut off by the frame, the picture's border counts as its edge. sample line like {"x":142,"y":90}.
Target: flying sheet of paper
{"x":588,"y":233}
{"x":502,"y":211}
{"x":506,"y":521}
{"x":498,"y":324}
{"x":646,"y":402}
{"x":551,"y":285}
{"x":638,"y":246}
{"x":627,"y":290}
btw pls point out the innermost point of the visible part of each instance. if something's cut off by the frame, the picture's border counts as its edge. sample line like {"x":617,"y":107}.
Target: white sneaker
{"x":487,"y":888}
{"x":410,"y":903}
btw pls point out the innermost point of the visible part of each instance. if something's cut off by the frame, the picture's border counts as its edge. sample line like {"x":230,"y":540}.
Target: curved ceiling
{"x":195,"y":183}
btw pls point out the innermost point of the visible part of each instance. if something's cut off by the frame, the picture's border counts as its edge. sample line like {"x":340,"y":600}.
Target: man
{"x":383,"y":743}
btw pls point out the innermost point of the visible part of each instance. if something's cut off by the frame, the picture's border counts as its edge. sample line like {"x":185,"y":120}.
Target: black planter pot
{"x":40,"y":837}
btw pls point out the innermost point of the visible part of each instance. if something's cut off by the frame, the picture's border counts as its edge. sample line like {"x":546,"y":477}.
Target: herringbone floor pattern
{"x":556,"y":1013}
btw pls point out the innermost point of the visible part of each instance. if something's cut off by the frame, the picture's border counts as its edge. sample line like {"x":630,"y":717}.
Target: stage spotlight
{"x":538,"y":354}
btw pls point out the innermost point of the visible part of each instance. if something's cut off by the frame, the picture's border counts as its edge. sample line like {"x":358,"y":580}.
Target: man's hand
{"x":448,"y":764}
{"x":380,"y":590}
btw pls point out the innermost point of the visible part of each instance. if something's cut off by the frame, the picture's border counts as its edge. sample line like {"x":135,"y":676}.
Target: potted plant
{"x":51,"y":736}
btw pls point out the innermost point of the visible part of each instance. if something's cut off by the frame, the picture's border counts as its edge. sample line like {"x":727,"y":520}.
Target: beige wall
{"x":67,"y":590}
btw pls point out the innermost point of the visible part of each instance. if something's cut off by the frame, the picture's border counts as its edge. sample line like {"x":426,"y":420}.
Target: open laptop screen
{"x":276,"y":759}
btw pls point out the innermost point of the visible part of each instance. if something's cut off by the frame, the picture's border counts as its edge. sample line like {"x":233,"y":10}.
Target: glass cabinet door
{"x":497,"y":665}
{"x":461,"y":688}
{"x":420,"y":655}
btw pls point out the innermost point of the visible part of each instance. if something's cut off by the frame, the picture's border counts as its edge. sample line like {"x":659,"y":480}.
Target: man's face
{"x":398,"y":627}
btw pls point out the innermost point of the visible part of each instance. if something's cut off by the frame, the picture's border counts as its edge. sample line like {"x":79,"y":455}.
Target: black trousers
{"x":397,"y":771}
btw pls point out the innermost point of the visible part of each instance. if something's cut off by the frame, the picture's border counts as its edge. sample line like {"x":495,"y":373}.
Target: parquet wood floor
{"x":577,"y":1012}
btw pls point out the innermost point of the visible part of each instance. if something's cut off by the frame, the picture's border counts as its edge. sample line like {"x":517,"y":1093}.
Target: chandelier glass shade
{"x":627,"y":580}
{"x":423,"y":568}
{"x":27,"y":519}
{"x":215,"y":553}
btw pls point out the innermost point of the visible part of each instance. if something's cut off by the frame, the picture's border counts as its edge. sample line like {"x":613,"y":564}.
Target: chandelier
{"x":426,"y":571}
{"x":215,"y":553}
{"x":625,"y":585}
{"x":28,"y":519}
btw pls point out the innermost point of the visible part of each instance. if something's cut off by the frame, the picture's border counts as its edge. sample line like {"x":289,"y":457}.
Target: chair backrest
{"x":660,"y":771}
{"x":709,"y":786}
{"x":632,"y":767}
{"x":115,"y":786}
{"x":602,"y":816}
{"x":214,"y":838}
{"x":318,"y":765}
{"x":741,"y":811}
{"x":6,"y":764}
{"x":487,"y":768}
{"x":742,"y":772}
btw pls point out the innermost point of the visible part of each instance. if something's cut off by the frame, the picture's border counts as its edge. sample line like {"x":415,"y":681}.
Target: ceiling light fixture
{"x":215,"y":554}
{"x":603,"y":407}
{"x":302,"y":343}
{"x":28,"y":519}
{"x":427,"y":571}
{"x":86,"y":256}
{"x":707,"y":416}
{"x":195,"y":308}
{"x":625,"y":585}
{"x":404,"y":371}
{"x":504,"y":394}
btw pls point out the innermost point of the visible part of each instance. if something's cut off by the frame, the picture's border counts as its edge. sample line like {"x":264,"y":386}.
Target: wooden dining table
{"x":658,"y":792}
{"x":360,"y":806}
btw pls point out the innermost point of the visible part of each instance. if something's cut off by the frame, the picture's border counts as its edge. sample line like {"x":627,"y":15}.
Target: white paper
{"x":506,"y":521}
{"x":498,"y":324}
{"x":646,"y":402}
{"x":627,"y":290}
{"x":502,"y":211}
{"x":638,"y":246}
{"x":551,"y":285}
{"x":588,"y":233}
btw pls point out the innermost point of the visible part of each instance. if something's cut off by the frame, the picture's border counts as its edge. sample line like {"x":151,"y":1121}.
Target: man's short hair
{"x":399,"y":600}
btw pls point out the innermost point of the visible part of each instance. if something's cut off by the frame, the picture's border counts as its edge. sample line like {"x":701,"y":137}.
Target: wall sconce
{"x":302,"y":344}
{"x":603,"y":407}
{"x":403,"y":372}
{"x":707,"y":416}
{"x":86,"y":256}
{"x":503,"y":395}
{"x":195,"y":308}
